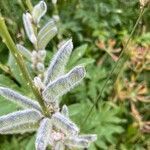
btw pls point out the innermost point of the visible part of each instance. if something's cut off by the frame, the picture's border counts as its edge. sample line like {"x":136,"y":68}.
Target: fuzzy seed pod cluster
{"x":55,"y":129}
{"x":38,"y":37}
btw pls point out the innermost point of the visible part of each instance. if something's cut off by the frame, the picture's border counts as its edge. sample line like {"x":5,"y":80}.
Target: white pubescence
{"x":21,"y":100}
{"x":59,"y":61}
{"x":46,"y":37}
{"x":76,"y":142}
{"x":64,"y":111}
{"x":24,"y":51}
{"x":20,"y":118}
{"x":27,"y":21}
{"x":63,"y":84}
{"x":59,"y":146}
{"x":39,"y":11}
{"x":38,"y":83}
{"x":43,"y":134}
{"x":64,"y":124}
{"x":20,"y":129}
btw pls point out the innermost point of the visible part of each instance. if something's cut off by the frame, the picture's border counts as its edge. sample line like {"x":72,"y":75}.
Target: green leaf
{"x":77,"y":54}
{"x":85,"y":61}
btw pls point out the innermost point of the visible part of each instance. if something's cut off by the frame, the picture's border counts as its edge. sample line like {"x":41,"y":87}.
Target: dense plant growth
{"x":111,"y":40}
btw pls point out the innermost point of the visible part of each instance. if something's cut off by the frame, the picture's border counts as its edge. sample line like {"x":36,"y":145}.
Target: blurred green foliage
{"x":87,"y":22}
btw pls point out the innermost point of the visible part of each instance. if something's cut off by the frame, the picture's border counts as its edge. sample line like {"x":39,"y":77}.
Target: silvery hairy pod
{"x":59,"y":61}
{"x":46,"y":34}
{"x":89,"y":137}
{"x":39,"y":11}
{"x":24,"y":52}
{"x":63,"y":84}
{"x":34,"y":56}
{"x":64,"y":111}
{"x":143,"y":3}
{"x":43,"y":134}
{"x":59,"y":146}
{"x":75,"y":142}
{"x":20,"y":129}
{"x":54,"y":1}
{"x":64,"y":124}
{"x":38,"y":83}
{"x":21,"y":100}
{"x":19,"y":118}
{"x":41,"y":55}
{"x":27,"y":21}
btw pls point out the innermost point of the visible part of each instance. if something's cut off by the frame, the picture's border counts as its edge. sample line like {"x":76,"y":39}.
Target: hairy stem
{"x":19,"y":59}
{"x":116,"y":65}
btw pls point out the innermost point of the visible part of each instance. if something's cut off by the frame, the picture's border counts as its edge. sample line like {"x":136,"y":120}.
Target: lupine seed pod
{"x":54,"y":1}
{"x":63,"y":84}
{"x":56,"y":18}
{"x":46,"y":28}
{"x":75,"y":142}
{"x":41,"y":55}
{"x":43,"y":134}
{"x":40,"y":67}
{"x":20,"y":129}
{"x":21,"y":100}
{"x":89,"y":137}
{"x":19,"y":118}
{"x":59,"y":146}
{"x":59,"y":61}
{"x":64,"y":124}
{"x":65,"y":111}
{"x":25,"y":52}
{"x":39,"y":11}
{"x":38,"y":83}
{"x":29,"y":28}
{"x":46,"y":37}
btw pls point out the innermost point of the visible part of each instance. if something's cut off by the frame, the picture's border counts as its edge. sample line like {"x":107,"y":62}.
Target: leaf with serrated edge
{"x":43,"y":134}
{"x":19,"y":99}
{"x":19,"y":118}
{"x":59,"y":61}
{"x":63,"y":84}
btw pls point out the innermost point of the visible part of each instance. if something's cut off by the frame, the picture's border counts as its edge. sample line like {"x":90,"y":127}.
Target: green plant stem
{"x":29,"y":5}
{"x":115,"y":66}
{"x":19,"y":59}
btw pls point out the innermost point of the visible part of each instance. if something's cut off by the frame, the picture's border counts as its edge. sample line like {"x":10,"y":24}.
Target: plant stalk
{"x":19,"y":59}
{"x":117,"y":63}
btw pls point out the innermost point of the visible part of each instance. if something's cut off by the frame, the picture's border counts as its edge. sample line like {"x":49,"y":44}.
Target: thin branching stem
{"x":116,"y":65}
{"x":19,"y":59}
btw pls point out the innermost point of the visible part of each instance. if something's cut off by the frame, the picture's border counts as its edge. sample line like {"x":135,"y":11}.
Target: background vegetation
{"x":99,"y":29}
